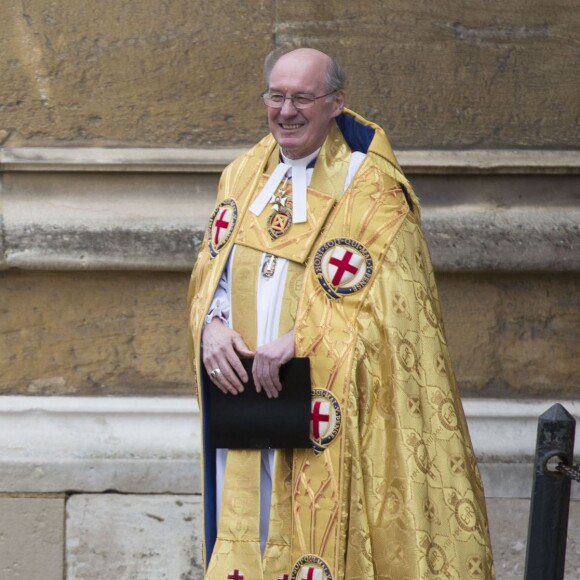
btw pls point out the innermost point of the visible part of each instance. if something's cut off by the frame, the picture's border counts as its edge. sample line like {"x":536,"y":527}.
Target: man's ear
{"x":339,"y":100}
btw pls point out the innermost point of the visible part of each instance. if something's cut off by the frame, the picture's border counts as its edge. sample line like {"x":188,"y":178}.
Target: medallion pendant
{"x":278,"y":223}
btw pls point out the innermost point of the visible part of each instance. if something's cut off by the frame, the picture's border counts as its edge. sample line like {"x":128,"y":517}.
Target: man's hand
{"x":267,"y":362}
{"x":222,"y":348}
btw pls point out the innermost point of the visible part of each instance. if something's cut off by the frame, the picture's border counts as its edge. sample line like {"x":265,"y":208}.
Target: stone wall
{"x":97,"y":247}
{"x":185,"y":77}
{"x":89,"y":333}
{"x":453,"y":75}
{"x":129,"y":537}
{"x":115,"y":121}
{"x":109,"y":487}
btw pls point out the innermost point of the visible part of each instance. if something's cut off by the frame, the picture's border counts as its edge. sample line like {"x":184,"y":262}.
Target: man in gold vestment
{"x":314,"y":249}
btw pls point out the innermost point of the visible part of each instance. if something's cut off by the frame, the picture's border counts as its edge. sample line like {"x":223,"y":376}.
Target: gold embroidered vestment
{"x":390,"y":488}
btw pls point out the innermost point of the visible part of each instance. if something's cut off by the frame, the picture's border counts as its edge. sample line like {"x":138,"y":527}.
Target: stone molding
{"x":146,"y":209}
{"x":469,"y":238}
{"x":95,"y":444}
{"x":176,"y":160}
{"x":474,"y":238}
{"x":151,"y":445}
{"x":97,"y":159}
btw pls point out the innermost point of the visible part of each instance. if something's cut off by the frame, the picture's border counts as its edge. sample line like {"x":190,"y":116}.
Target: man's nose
{"x":288,"y":107}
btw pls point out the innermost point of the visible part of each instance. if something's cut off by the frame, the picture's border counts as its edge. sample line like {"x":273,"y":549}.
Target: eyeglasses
{"x":300,"y":101}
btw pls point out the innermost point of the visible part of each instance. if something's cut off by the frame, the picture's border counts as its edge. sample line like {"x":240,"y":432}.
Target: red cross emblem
{"x":317,"y":417}
{"x":235,"y":575}
{"x":325,"y":420}
{"x":311,"y":567}
{"x":342,"y":266}
{"x":220,"y":224}
{"x":308,"y":574}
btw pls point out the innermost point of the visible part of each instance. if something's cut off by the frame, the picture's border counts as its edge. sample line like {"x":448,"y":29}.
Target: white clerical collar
{"x":297,"y":169}
{"x":303,"y":161}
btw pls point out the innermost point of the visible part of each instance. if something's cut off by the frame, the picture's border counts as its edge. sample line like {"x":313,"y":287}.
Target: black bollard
{"x":550,"y":504}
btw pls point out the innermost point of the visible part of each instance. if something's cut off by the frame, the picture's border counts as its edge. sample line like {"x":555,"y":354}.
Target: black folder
{"x":251,"y":420}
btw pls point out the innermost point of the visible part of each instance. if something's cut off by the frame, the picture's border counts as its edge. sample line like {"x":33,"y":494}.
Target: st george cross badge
{"x":342,"y":266}
{"x":311,"y":567}
{"x":325,"y":419}
{"x":221,"y":225}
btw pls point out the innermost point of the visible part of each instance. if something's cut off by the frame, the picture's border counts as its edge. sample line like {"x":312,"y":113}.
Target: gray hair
{"x":335,"y":78}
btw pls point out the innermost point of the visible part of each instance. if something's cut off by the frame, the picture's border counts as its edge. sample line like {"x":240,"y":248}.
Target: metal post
{"x":550,"y":504}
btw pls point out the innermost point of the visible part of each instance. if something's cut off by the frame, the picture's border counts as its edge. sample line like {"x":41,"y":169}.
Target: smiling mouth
{"x":290,"y":126}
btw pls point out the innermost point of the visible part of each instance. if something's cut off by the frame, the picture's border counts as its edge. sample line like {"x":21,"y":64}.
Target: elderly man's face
{"x":300,"y":132}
